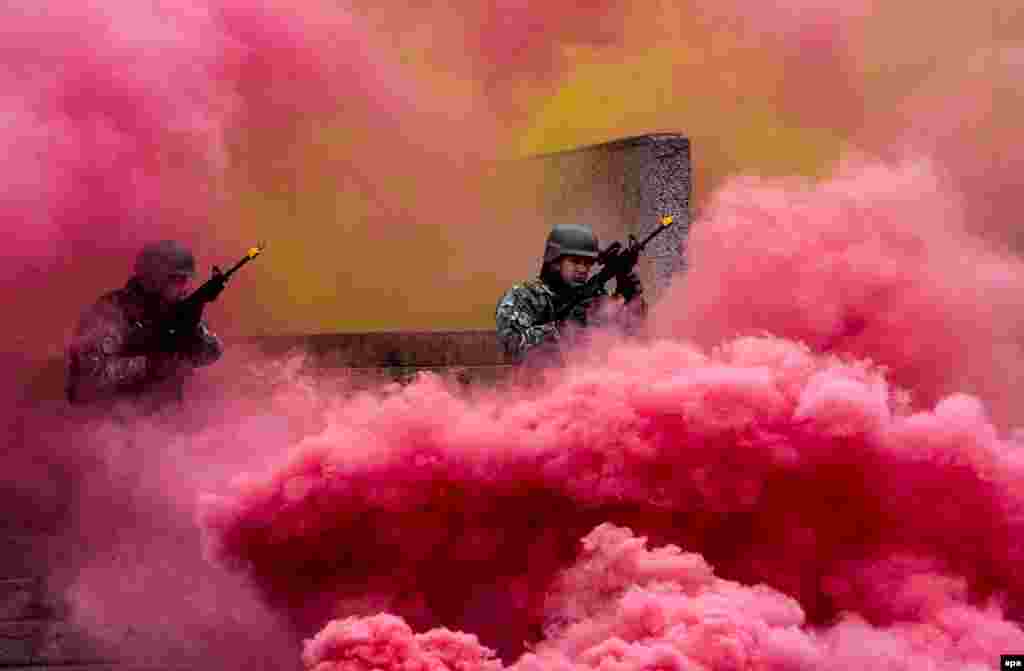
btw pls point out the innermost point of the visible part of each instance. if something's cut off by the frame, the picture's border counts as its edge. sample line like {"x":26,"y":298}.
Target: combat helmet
{"x":570,"y":240}
{"x":164,"y":259}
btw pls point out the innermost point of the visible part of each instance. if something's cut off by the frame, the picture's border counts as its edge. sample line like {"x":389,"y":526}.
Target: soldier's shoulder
{"x":105,"y":301}
{"x":118,"y":299}
{"x":526,"y":290}
{"x":108,"y":306}
{"x":536,"y":287}
{"x":536,"y":284}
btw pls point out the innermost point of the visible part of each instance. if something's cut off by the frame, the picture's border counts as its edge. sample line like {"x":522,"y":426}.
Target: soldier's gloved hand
{"x":174,"y":337}
{"x":628,"y":285}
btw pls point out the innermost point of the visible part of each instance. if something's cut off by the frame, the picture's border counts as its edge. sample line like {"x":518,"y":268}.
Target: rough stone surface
{"x":392,"y":348}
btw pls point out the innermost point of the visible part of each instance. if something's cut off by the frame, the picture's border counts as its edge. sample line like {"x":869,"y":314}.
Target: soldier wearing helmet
{"x":525,"y":314}
{"x":115,"y":352}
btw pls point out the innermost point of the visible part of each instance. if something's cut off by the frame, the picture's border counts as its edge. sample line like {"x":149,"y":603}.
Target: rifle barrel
{"x":230,"y":271}
{"x":252,"y":254}
{"x":665,"y":224}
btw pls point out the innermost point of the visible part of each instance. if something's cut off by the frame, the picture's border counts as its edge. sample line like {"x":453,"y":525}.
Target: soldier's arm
{"x":204,"y":347}
{"x":99,"y":351}
{"x":517,"y":328}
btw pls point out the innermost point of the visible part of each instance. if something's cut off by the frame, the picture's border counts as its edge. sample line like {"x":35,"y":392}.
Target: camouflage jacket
{"x":524,"y":317}
{"x":112,"y":355}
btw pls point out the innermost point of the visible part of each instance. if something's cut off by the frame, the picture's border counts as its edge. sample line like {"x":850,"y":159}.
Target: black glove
{"x":162,"y":337}
{"x":628,"y":285}
{"x":177,"y":336}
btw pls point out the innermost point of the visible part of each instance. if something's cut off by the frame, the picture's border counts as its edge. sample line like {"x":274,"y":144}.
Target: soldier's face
{"x":176,"y":287}
{"x":575,"y":269}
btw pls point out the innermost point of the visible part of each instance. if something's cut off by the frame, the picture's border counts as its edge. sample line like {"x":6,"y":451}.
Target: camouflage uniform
{"x":524,"y":316}
{"x":114,"y":352}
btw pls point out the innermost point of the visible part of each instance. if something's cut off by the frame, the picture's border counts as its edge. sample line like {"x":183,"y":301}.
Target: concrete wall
{"x":620,"y":187}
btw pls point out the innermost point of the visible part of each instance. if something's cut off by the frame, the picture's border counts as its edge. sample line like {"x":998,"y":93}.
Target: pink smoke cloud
{"x":113,"y":118}
{"x":112,"y":497}
{"x":887,"y":503}
{"x":119,"y":121}
{"x":524,"y":39}
{"x":952,"y":94}
{"x":965,"y":117}
{"x":734,"y":454}
{"x":384,"y":641}
{"x":145,"y":121}
{"x":877,"y":262}
{"x":622,"y":606}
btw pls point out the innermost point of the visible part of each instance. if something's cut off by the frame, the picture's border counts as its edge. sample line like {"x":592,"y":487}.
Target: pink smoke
{"x":623,"y":606}
{"x":115,"y":123}
{"x":119,"y":121}
{"x":385,"y":641}
{"x":876,"y":262}
{"x":965,"y":117}
{"x":778,"y":466}
{"x":524,"y":40}
{"x":952,"y":94}
{"x":629,"y":607}
{"x":123,"y":124}
{"x":112,"y":497}
{"x":879,"y":510}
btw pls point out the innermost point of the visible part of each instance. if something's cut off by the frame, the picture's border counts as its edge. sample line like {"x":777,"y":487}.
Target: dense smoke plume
{"x":811,"y":475}
{"x":878,"y":262}
{"x":822,"y":420}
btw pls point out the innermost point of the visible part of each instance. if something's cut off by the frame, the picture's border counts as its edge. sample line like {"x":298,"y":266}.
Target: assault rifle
{"x":614,"y":261}
{"x":186,"y":314}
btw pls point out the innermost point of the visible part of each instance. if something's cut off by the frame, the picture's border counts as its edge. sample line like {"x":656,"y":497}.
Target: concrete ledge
{"x":365,"y":378}
{"x":389,"y":348}
{"x":394,"y":356}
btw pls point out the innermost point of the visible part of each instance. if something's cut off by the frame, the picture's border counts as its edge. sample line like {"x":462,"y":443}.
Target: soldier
{"x":525,"y":314}
{"x":117,"y":350}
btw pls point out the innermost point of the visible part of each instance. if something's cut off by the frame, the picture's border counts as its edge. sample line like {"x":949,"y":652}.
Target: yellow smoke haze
{"x":743,"y":88}
{"x":364,"y":235}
